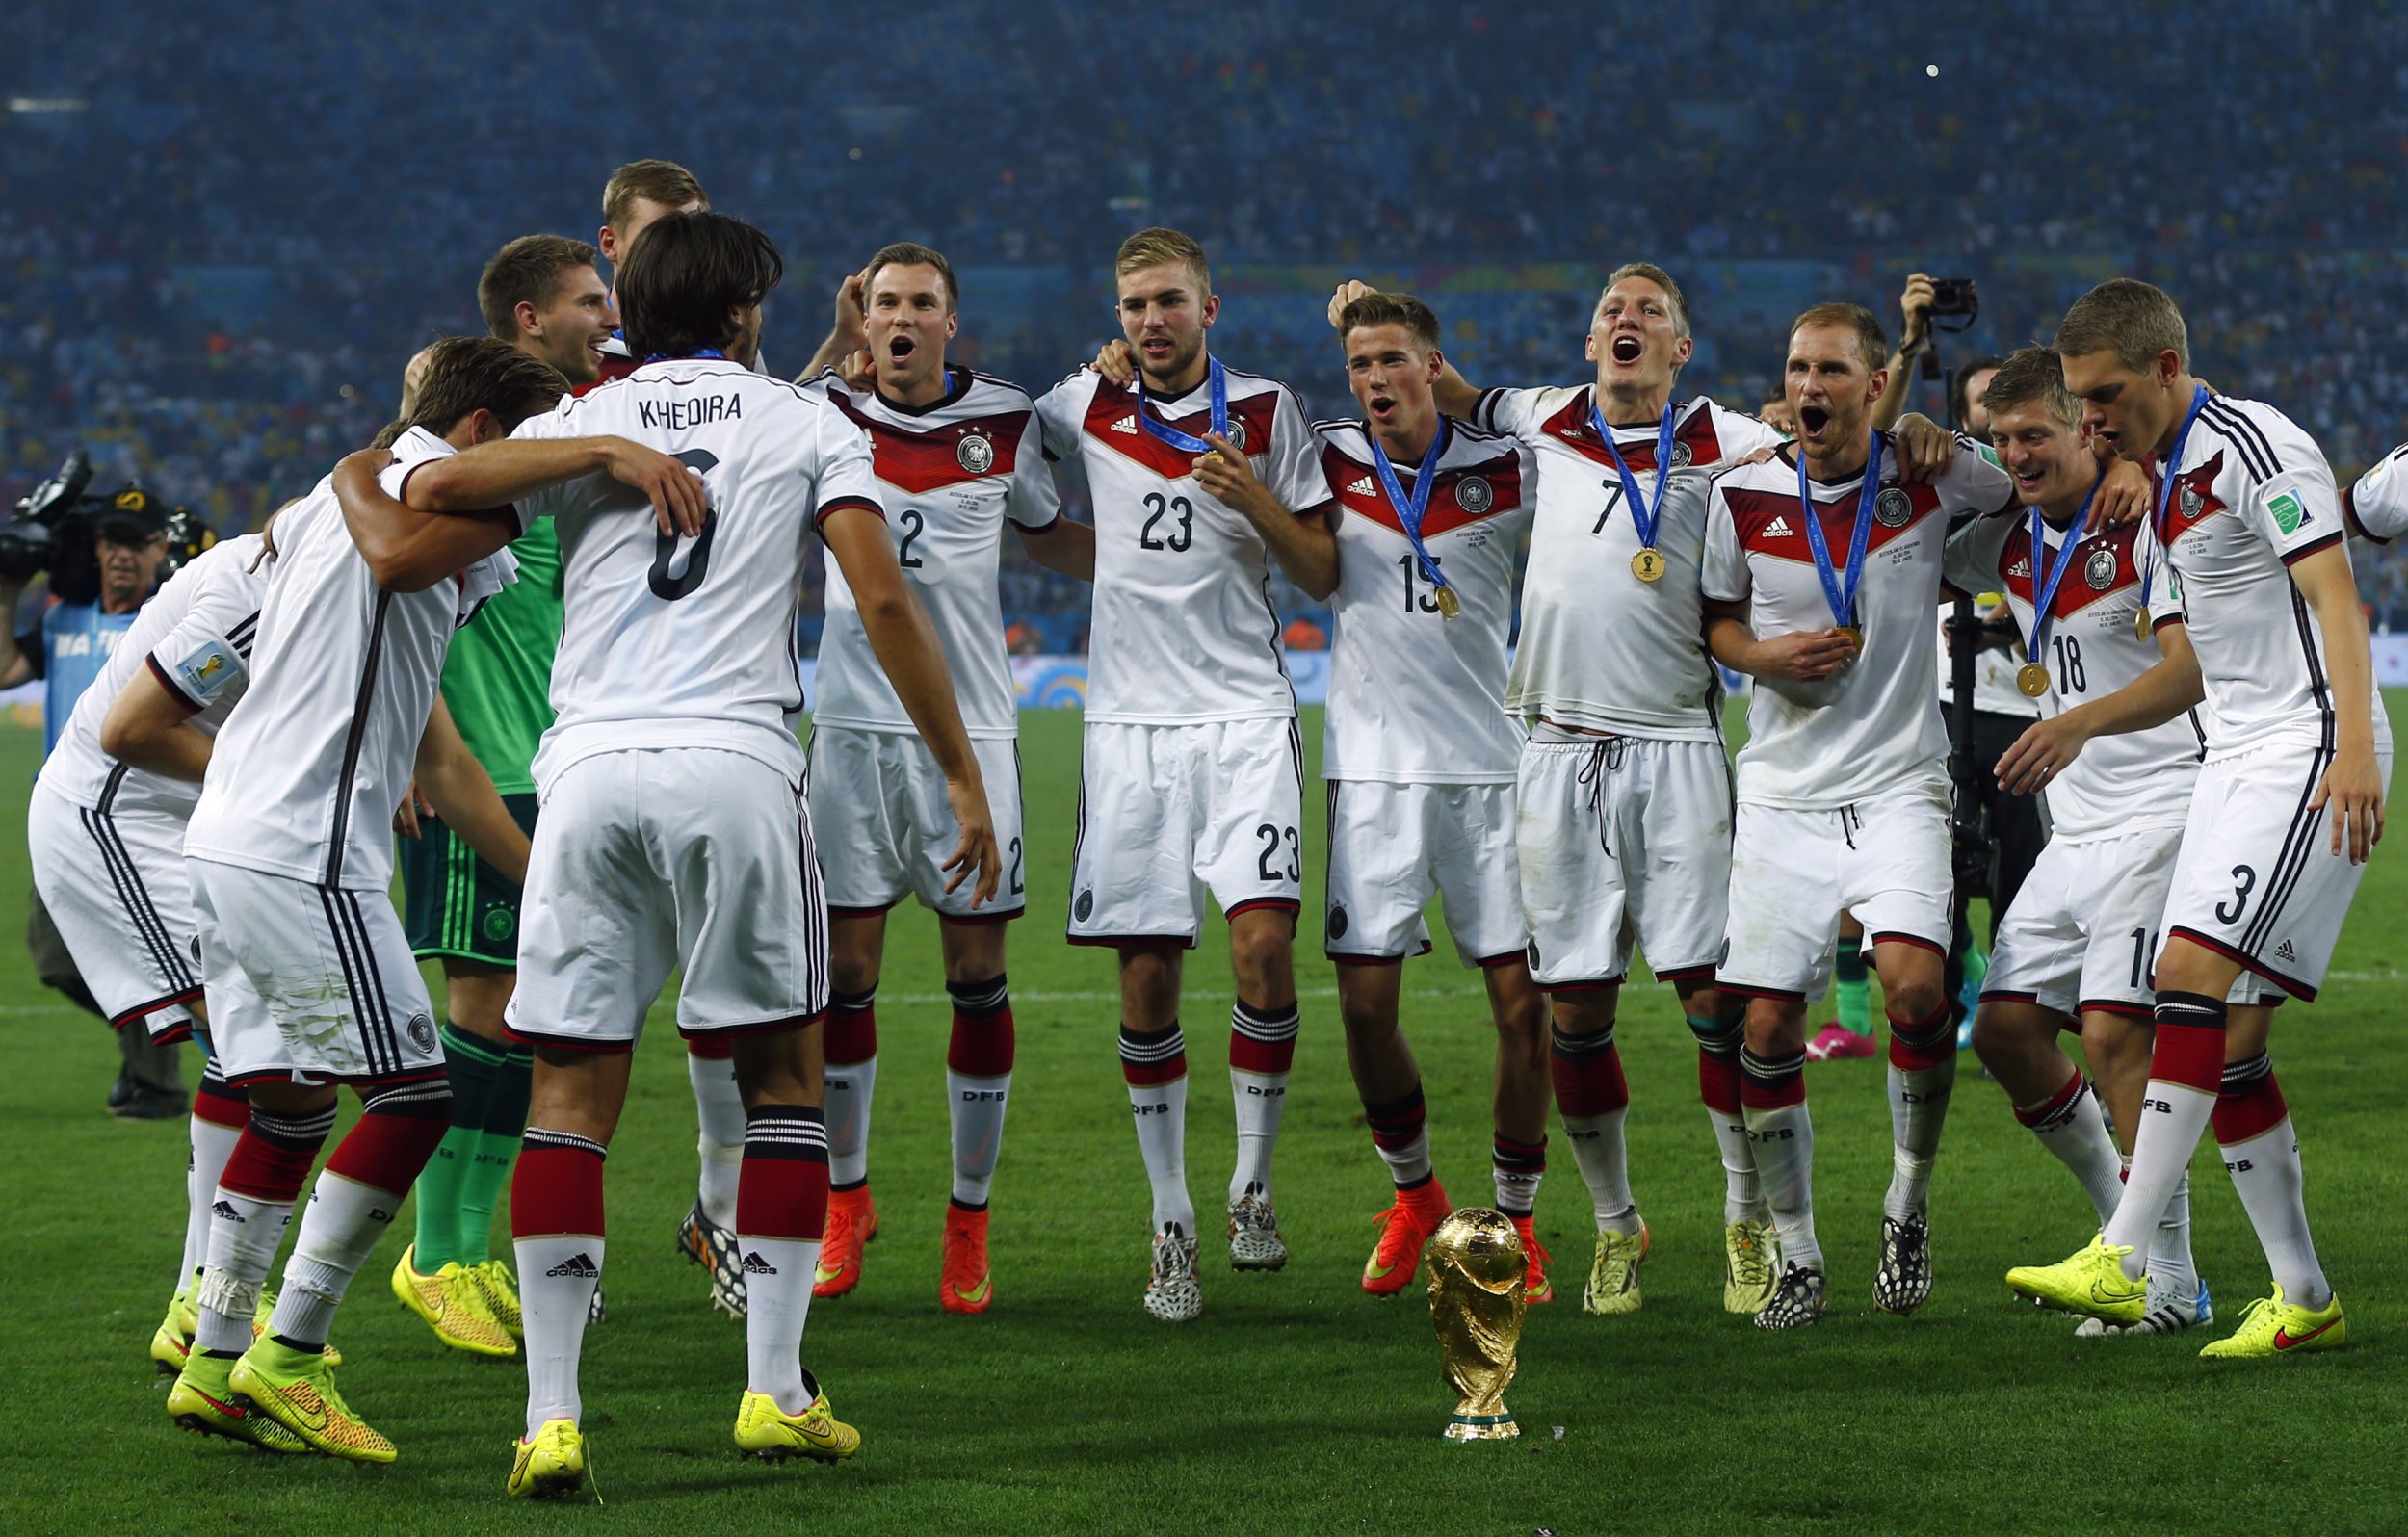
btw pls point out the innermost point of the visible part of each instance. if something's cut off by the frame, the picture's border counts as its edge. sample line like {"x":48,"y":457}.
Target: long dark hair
{"x":683,"y":275}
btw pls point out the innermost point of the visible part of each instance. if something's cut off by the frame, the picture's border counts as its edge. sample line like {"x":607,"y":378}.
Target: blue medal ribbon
{"x":1188,"y":442}
{"x":1841,"y":596}
{"x":2170,"y":472}
{"x":2044,"y":590}
{"x":1410,"y":510}
{"x":706,"y":352}
{"x":1644,"y":514}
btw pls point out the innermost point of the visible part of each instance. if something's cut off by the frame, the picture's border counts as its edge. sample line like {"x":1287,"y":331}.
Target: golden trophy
{"x":1477,"y":1270}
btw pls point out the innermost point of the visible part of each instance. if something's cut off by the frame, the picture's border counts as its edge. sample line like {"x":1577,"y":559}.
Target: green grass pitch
{"x":1295,"y":1403}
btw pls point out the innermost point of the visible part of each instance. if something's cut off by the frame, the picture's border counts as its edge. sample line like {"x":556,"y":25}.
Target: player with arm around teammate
{"x":2248,"y":526}
{"x":1428,"y":516}
{"x":1191,"y":773}
{"x":675,"y":832}
{"x":1822,"y":568}
{"x":2074,"y":946}
{"x":960,"y":457}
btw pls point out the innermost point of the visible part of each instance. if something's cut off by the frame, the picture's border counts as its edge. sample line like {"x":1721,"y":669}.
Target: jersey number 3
{"x":668,"y":584}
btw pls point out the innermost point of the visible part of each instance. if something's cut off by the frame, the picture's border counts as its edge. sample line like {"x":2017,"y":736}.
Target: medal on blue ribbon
{"x":2032,"y":677}
{"x":1188,"y":442}
{"x":2169,"y":472}
{"x":1838,"y":592}
{"x":1410,"y":510}
{"x":1648,"y":563}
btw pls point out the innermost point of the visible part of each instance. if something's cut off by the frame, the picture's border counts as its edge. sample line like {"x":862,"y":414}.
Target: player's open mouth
{"x":1155,"y":346}
{"x":1812,"y":419}
{"x":1383,"y":407}
{"x":1627,"y":349}
{"x":902,"y":347}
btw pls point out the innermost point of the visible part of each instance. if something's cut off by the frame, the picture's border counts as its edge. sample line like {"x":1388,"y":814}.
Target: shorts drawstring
{"x":1846,"y":813}
{"x":1605,"y":757}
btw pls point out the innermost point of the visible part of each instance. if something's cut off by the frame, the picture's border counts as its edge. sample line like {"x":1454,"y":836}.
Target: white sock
{"x":1604,"y":1165}
{"x":777,"y":1301}
{"x":2170,"y":1265}
{"x":2074,"y":1131}
{"x":977,"y":1124}
{"x":1782,"y":1141}
{"x":719,"y":1110}
{"x":1160,"y":1113}
{"x":2267,"y":1174}
{"x":1743,"y":1193}
{"x":1258,"y":1095}
{"x":556,"y":1275}
{"x":2175,"y":1116}
{"x":244,"y":1236}
{"x":212,"y":1145}
{"x":849,"y":1088}
{"x":1919,"y":1110}
{"x":338,"y":1230}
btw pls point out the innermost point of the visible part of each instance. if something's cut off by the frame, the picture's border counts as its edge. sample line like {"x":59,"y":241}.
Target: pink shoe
{"x":1835,"y":1041}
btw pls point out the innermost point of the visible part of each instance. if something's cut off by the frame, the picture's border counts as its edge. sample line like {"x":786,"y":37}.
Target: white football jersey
{"x":1600,"y":650}
{"x":948,"y":474}
{"x":2251,"y":495}
{"x":1876,"y":726}
{"x":1183,"y":628}
{"x":2377,"y":505}
{"x":2123,"y":783}
{"x":1416,"y":697}
{"x":309,"y":771}
{"x":195,"y":634}
{"x":678,"y":642}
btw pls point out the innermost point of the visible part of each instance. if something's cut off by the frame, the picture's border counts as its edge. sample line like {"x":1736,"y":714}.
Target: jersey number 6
{"x":667,"y":585}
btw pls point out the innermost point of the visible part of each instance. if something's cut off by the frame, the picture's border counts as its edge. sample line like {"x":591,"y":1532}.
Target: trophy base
{"x":1482,"y":1428}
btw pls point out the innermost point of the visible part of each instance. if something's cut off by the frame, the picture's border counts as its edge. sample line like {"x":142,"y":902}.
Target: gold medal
{"x":1448,"y":605}
{"x":2140,"y":625}
{"x":2033,"y":679}
{"x":1647,"y":565}
{"x":1855,"y":634}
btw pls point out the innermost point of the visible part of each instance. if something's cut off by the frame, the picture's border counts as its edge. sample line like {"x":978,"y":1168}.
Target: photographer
{"x":104,"y":560}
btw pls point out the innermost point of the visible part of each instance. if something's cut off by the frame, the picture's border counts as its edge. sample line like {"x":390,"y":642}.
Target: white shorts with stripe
{"x":1624,"y":841}
{"x":2258,"y":880}
{"x":115,"y":884}
{"x":1793,"y":872}
{"x":1392,"y":847}
{"x":1170,"y":813}
{"x":310,"y":982}
{"x":648,"y":860}
{"x":885,"y":829}
{"x":2082,"y":935}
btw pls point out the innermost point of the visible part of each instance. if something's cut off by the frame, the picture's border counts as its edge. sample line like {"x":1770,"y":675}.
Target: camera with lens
{"x":1955,"y":295}
{"x":29,"y":539}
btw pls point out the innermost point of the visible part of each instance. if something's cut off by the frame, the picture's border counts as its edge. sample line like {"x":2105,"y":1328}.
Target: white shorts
{"x":2082,"y":934}
{"x":1792,"y":873}
{"x":115,"y":885}
{"x":309,"y":982}
{"x":1623,"y":841}
{"x":1167,"y":814}
{"x":1393,"y":846}
{"x":648,"y":860}
{"x":2258,"y":880}
{"x":885,"y":829}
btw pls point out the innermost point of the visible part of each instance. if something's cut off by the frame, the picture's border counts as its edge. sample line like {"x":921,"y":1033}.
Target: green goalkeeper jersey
{"x":498,"y":675}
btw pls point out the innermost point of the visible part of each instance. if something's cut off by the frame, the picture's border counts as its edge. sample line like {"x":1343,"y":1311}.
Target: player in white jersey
{"x":1190,"y":780}
{"x":302,"y":955}
{"x":1428,"y":516}
{"x":1822,"y":567}
{"x":960,"y":458}
{"x":674,"y":833}
{"x":2248,"y":527}
{"x":2073,"y":948}
{"x":107,"y":844}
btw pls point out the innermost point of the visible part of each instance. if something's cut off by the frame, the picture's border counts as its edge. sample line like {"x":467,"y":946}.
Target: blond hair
{"x":665,"y":182}
{"x":1661,"y":279}
{"x":1870,"y":340}
{"x":2134,"y":320}
{"x":1151,"y":248}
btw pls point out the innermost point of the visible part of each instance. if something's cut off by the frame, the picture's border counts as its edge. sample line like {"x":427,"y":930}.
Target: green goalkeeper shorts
{"x":455,"y":904}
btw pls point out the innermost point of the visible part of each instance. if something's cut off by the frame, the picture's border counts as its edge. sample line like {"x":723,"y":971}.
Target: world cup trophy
{"x":1477,"y":1271}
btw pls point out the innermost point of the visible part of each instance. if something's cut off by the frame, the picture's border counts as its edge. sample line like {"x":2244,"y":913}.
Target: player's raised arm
{"x":461,"y":792}
{"x":406,"y":550}
{"x":2353,"y":785}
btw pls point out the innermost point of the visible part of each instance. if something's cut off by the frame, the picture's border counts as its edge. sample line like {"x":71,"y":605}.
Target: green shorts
{"x":454,"y":904}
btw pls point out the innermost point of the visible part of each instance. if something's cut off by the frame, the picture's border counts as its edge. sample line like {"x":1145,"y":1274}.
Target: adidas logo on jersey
{"x":754,"y":1265}
{"x":2021,"y":568}
{"x":1127,"y":423}
{"x":1363,"y":486}
{"x":1778,"y":528}
{"x":579,"y":1266}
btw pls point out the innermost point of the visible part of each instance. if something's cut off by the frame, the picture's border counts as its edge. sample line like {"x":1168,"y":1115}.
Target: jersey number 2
{"x":670,"y":585}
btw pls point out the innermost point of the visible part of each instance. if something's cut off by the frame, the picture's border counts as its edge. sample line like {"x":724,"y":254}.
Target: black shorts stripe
{"x":127,"y":880}
{"x":814,"y":908}
{"x":1078,"y":839}
{"x":2299,"y":842}
{"x":349,"y":949}
{"x":376,"y":979}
